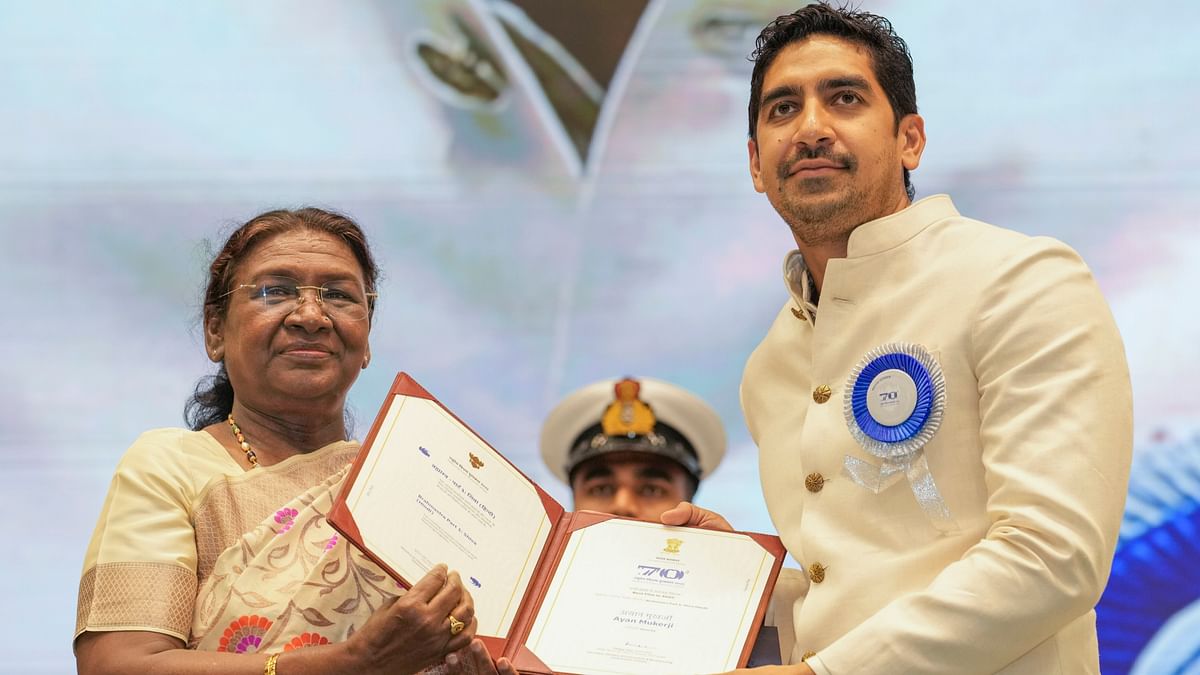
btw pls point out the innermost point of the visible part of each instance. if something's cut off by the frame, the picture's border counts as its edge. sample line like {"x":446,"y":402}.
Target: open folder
{"x":576,"y":593}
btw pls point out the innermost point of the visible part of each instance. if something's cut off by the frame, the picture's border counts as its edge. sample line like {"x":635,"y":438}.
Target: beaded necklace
{"x":241,"y":439}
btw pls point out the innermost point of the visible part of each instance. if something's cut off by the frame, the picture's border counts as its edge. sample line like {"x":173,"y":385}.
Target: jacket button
{"x":807,"y":655}
{"x":816,"y":572}
{"x":799,"y":314}
{"x":813,"y":482}
{"x":822,"y":393}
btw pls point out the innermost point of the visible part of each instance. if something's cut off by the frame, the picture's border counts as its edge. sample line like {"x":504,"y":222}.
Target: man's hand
{"x":690,"y":515}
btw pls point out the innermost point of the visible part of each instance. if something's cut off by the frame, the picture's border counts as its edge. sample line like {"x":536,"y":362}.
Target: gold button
{"x":816,"y":572}
{"x":814,"y":482}
{"x":807,"y":656}
{"x":822,"y":393}
{"x":799,"y":314}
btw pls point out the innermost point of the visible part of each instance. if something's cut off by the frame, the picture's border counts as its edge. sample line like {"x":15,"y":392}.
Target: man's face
{"x":636,"y":485}
{"x":828,"y":152}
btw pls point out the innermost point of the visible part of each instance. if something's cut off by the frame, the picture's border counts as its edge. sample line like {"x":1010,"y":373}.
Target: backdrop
{"x":558,"y":192}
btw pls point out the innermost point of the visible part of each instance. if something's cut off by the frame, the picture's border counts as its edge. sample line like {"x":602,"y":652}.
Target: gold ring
{"x":456,"y":626}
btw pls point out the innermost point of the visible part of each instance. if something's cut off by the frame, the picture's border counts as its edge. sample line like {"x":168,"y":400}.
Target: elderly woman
{"x":212,"y":553}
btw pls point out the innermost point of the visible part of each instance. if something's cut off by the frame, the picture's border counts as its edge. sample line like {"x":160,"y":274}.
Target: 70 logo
{"x":664,"y":572}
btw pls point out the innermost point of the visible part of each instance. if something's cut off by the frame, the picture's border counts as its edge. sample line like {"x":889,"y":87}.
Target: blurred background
{"x":557,"y":192}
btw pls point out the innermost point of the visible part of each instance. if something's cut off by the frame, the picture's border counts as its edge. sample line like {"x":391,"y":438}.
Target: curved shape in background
{"x":1174,"y":649}
{"x":1155,"y":575}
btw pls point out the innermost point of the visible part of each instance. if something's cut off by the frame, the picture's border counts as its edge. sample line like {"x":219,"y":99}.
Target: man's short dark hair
{"x":889,"y":54}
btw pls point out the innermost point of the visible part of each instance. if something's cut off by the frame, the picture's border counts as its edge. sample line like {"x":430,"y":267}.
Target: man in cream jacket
{"x":942,"y":407}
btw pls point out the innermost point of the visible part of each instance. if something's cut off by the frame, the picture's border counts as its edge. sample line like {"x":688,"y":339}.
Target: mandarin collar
{"x":871,"y":237}
{"x":888,"y":232}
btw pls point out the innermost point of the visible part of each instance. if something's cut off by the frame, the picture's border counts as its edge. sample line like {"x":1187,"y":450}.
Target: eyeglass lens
{"x":343,"y":299}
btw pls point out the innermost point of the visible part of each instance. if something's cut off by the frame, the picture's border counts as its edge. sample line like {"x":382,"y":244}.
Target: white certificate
{"x":431,"y":491}
{"x":635,"y":598}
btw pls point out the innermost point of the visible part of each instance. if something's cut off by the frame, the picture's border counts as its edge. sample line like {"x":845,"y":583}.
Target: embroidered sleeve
{"x":140,"y":568}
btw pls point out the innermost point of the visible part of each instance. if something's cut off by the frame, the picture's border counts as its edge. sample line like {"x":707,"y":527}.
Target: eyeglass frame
{"x":319,"y":292}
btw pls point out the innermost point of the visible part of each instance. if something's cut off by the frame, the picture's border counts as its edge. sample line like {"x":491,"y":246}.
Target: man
{"x":942,"y":408}
{"x":632,"y":447}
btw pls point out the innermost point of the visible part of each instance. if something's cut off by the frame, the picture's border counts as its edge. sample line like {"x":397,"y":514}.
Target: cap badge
{"x":628,"y":415}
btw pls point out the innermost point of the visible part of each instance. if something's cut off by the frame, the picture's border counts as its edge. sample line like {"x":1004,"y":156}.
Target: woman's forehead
{"x":299,"y":252}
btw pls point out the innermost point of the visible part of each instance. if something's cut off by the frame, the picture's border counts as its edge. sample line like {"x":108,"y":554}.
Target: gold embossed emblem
{"x":799,"y":314}
{"x":628,"y":415}
{"x":822,"y":393}
{"x":673,"y":546}
{"x":475,"y":461}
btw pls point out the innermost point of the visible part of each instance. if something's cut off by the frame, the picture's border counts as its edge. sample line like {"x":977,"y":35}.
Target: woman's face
{"x":298,"y":362}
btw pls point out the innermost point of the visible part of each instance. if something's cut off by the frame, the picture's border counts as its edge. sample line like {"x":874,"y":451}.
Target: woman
{"x":212,"y":553}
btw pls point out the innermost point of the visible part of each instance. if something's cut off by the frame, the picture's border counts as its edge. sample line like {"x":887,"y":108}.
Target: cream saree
{"x":190,"y":545}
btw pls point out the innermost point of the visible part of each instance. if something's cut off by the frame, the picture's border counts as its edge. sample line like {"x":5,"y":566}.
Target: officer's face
{"x":633,"y":485}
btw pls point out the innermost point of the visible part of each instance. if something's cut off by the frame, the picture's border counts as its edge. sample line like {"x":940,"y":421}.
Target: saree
{"x":191,"y":545}
{"x":289,"y":581}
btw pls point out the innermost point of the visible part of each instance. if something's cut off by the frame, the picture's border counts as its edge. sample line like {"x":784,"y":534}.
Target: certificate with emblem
{"x":634,"y":597}
{"x":555,"y":591}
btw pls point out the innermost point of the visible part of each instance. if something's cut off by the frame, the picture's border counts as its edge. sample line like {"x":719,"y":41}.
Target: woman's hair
{"x":212,"y":400}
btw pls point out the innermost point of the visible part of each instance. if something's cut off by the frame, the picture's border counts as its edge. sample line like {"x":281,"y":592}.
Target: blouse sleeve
{"x":140,"y":569}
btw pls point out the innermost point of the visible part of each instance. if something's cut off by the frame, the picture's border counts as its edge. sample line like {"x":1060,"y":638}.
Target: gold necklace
{"x":241,"y":439}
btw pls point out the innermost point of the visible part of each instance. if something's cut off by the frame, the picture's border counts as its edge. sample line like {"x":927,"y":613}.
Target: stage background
{"x":558,"y":192}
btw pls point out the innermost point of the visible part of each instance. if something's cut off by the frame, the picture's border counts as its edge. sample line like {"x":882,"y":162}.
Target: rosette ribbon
{"x":895,"y":400}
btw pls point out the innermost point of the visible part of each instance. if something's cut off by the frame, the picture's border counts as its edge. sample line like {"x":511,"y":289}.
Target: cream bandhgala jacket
{"x":1032,"y":456}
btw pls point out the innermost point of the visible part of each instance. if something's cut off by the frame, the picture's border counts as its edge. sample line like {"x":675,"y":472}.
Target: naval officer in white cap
{"x":632,"y":447}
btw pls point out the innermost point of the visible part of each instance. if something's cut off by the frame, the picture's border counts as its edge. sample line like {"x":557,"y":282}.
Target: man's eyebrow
{"x":782,"y":91}
{"x":844,"y":82}
{"x":597,"y":471}
{"x":654,"y":472}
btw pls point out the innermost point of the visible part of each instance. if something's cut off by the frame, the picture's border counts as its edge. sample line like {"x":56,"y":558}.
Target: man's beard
{"x":814,"y":220}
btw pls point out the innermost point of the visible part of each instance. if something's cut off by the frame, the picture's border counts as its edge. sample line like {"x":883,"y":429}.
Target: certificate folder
{"x":556,"y":592}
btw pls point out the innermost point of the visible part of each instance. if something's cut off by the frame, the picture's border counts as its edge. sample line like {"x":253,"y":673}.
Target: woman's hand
{"x":474,"y":660}
{"x":413,"y":631}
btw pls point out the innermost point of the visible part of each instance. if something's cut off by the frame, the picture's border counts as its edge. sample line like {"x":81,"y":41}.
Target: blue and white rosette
{"x":894,"y":402}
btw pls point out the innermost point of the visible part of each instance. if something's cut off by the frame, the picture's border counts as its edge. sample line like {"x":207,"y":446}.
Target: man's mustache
{"x":842,"y":160}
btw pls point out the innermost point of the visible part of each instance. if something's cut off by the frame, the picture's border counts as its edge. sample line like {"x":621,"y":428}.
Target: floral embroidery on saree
{"x":293,"y":573}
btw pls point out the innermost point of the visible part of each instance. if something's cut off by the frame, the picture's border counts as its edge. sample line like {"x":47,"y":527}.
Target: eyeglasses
{"x":340,"y":300}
